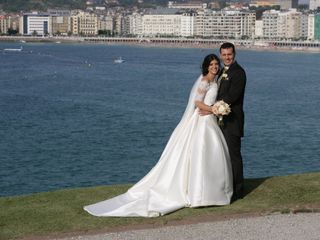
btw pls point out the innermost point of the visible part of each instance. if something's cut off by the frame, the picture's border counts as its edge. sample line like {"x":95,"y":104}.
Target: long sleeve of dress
{"x":201,"y":91}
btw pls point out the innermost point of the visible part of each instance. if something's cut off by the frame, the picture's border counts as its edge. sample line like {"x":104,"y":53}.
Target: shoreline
{"x":129,"y":184}
{"x":167,"y":43}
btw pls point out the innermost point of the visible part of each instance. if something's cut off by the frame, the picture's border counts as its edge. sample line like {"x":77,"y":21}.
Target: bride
{"x":194,"y":169}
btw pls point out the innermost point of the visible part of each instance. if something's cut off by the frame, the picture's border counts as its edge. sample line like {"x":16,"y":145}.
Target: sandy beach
{"x":170,"y":43}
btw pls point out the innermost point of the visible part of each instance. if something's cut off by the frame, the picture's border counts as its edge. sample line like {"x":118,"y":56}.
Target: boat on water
{"x":13,"y":49}
{"x":119,"y":60}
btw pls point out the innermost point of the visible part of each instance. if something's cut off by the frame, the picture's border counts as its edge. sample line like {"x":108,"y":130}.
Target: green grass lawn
{"x":60,"y":212}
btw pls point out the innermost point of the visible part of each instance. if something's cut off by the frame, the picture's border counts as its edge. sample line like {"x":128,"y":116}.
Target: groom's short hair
{"x":228,"y":45}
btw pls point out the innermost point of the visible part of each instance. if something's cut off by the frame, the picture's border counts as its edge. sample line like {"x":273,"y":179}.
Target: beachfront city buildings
{"x":284,"y":25}
{"x":84,"y":23}
{"x":277,"y":25}
{"x":225,"y":24}
{"x":35,"y":24}
{"x":187,"y":19}
{"x":61,"y":21}
{"x":9,"y":22}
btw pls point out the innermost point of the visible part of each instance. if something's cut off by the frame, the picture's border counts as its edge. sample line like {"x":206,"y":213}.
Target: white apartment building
{"x":227,"y":24}
{"x":248,"y":23}
{"x":4,"y":24}
{"x":35,"y":24}
{"x":283,"y":25}
{"x":187,"y":24}
{"x":161,"y":22}
{"x":314,"y":4}
{"x":311,"y":27}
{"x":270,"y":24}
{"x":289,"y":24}
{"x":304,"y":25}
{"x":88,"y":23}
{"x":119,"y":24}
{"x":84,"y":23}
{"x":106,"y":23}
{"x":258,"y":29}
{"x":135,"y":24}
{"x":74,"y":25}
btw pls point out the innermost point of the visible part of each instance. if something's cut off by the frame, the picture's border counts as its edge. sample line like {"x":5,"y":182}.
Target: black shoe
{"x":238,"y":191}
{"x":233,"y":198}
{"x":236,"y":196}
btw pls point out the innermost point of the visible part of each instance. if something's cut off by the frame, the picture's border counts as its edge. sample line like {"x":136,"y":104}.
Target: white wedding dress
{"x":194,"y":169}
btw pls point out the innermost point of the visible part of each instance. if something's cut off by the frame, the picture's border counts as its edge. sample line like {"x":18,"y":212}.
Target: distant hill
{"x":27,"y":5}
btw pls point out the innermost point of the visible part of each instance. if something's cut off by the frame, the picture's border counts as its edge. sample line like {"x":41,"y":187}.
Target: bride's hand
{"x":203,"y":112}
{"x":214,"y":110}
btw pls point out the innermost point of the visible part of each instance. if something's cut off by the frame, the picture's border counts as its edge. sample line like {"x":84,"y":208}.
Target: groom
{"x":232,"y":82}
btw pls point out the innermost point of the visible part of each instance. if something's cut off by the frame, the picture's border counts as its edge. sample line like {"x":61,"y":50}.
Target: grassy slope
{"x":61,"y":211}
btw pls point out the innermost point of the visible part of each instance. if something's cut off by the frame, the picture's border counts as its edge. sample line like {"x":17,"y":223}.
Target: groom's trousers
{"x":234,"y":146}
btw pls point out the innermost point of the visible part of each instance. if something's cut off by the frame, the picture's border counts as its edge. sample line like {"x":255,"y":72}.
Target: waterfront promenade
{"x":313,"y":46}
{"x":280,"y":226}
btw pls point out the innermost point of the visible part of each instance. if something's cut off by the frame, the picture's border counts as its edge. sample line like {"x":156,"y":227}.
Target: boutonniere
{"x":224,"y":76}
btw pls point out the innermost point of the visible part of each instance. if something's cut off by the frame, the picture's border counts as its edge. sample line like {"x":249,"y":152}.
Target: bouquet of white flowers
{"x":221,"y":109}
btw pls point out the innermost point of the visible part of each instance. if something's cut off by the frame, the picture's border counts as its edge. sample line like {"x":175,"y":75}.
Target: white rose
{"x":221,"y":109}
{"x":224,"y":75}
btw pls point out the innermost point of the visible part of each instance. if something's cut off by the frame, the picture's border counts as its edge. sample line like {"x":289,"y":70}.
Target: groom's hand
{"x":203,"y":112}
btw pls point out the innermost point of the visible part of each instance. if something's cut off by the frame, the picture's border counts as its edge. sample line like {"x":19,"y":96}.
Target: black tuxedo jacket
{"x":231,"y":91}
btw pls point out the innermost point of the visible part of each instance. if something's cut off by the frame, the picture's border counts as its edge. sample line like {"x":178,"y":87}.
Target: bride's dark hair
{"x":206,"y":62}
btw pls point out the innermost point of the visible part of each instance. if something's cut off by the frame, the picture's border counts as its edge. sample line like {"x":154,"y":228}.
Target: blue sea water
{"x":70,"y":117}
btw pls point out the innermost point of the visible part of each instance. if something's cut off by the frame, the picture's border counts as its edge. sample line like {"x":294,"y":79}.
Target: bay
{"x":70,"y":117}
